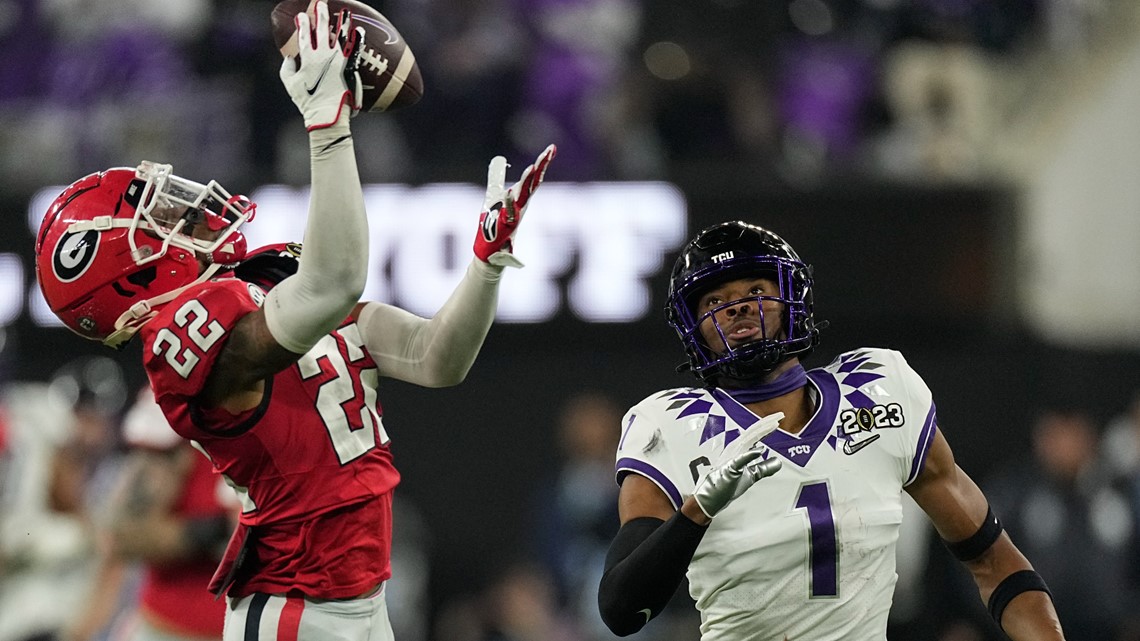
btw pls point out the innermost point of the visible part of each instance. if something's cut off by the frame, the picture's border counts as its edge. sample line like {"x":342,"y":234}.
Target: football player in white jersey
{"x":809,"y":553}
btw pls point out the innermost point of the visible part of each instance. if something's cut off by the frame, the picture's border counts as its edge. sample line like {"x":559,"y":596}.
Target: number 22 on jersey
{"x":339,"y":401}
{"x":344,"y":402}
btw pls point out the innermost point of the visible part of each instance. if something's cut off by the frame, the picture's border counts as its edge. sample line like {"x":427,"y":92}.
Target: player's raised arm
{"x":439,"y":352}
{"x":331,"y":276}
{"x":332,"y":273}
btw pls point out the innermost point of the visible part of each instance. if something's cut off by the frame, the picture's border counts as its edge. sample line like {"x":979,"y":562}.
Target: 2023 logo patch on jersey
{"x":856,"y":424}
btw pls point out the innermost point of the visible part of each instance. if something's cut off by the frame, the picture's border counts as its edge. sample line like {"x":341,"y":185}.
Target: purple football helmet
{"x":730,"y":251}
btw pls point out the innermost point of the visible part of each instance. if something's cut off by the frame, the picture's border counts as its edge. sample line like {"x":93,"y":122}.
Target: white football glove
{"x":327,"y":78}
{"x":739,"y":466}
{"x":503,"y":208}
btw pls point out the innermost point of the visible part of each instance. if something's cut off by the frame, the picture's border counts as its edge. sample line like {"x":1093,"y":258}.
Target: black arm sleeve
{"x":645,"y":564}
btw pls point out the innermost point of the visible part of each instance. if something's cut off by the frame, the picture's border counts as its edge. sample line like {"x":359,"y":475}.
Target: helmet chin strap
{"x":139,"y":314}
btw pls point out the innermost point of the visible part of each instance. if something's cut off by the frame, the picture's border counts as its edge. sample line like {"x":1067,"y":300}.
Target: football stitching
{"x":374,"y":60}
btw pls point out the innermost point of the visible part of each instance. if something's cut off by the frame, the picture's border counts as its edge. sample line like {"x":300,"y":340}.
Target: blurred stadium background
{"x":962,"y":174}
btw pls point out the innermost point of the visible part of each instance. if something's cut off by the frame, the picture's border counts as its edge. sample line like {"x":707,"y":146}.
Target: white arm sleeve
{"x":437,"y":352}
{"x":333,"y":267}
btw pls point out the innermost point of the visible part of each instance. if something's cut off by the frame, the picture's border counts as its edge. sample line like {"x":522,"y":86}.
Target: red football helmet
{"x":117,"y":245}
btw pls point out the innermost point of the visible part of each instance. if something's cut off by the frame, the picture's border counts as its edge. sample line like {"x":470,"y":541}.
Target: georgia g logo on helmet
{"x":491,"y":223}
{"x":74,"y":254}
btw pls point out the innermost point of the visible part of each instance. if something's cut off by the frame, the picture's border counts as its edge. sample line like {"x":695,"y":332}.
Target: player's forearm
{"x":334,"y":268}
{"x":1030,"y":616}
{"x":645,"y":564}
{"x":151,"y":539}
{"x":164,"y":538}
{"x":1015,"y":595}
{"x":456,"y":332}
{"x":437,"y":352}
{"x":336,"y":234}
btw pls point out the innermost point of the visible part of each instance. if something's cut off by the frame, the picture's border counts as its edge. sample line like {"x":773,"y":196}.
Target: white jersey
{"x":809,"y":553}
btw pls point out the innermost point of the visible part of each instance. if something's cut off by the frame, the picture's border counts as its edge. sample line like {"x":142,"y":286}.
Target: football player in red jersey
{"x":269,"y":364}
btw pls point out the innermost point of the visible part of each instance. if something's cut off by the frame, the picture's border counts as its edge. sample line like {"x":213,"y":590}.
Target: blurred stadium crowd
{"x":631,"y":89}
{"x":791,"y":92}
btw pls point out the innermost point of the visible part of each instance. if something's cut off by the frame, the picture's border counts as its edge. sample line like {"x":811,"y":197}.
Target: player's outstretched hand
{"x":327,"y":78}
{"x":738,"y":468}
{"x":503,"y":208}
{"x":725,"y":484}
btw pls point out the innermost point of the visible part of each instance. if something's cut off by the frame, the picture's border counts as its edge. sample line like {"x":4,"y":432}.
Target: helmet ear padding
{"x":727,"y":252}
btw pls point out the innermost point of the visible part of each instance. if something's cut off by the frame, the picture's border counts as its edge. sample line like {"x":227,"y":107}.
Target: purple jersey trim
{"x":696,"y":407}
{"x":739,"y":414}
{"x":628,"y":465}
{"x":859,"y":379}
{"x":925,"y":438}
{"x":852,"y":361}
{"x":625,"y":433}
{"x":813,"y":434}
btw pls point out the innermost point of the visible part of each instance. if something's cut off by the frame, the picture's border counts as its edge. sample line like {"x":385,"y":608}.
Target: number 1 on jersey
{"x":823,"y":555}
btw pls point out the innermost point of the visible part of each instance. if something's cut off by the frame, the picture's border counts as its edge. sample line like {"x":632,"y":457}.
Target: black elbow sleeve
{"x":646,"y":562}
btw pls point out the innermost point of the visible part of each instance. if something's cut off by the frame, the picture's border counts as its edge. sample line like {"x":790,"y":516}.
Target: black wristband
{"x":980,"y":541}
{"x":1011,"y":586}
{"x":646,"y":562}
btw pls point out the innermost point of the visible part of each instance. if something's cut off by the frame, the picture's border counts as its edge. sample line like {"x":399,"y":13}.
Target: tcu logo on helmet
{"x":720,"y":258}
{"x":74,"y":254}
{"x":491,"y":223}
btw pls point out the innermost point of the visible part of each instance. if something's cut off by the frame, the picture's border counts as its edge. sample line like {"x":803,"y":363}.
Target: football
{"x":388,"y":68}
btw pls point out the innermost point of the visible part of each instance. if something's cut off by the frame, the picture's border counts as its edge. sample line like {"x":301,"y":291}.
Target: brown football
{"x":388,"y":68}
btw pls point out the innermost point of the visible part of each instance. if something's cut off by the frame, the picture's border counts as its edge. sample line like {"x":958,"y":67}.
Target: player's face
{"x":168,"y":217}
{"x":747,"y":318}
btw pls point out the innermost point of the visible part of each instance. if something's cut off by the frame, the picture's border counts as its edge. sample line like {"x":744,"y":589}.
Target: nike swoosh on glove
{"x":327,"y":78}
{"x":503,"y":208}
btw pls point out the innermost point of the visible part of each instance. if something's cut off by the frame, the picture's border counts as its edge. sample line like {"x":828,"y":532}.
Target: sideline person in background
{"x":1078,"y":522}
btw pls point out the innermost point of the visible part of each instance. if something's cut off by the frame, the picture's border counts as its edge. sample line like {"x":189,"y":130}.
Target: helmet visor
{"x":183,"y":213}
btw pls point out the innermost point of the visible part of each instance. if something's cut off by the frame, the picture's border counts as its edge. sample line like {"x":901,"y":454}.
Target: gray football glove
{"x":725,"y":484}
{"x":738,"y":468}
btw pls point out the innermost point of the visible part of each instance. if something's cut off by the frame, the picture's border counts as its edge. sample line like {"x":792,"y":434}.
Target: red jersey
{"x":310,"y":463}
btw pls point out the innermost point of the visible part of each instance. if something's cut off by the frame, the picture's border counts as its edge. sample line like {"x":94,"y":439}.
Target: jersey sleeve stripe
{"x":626,"y":465}
{"x":925,"y":438}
